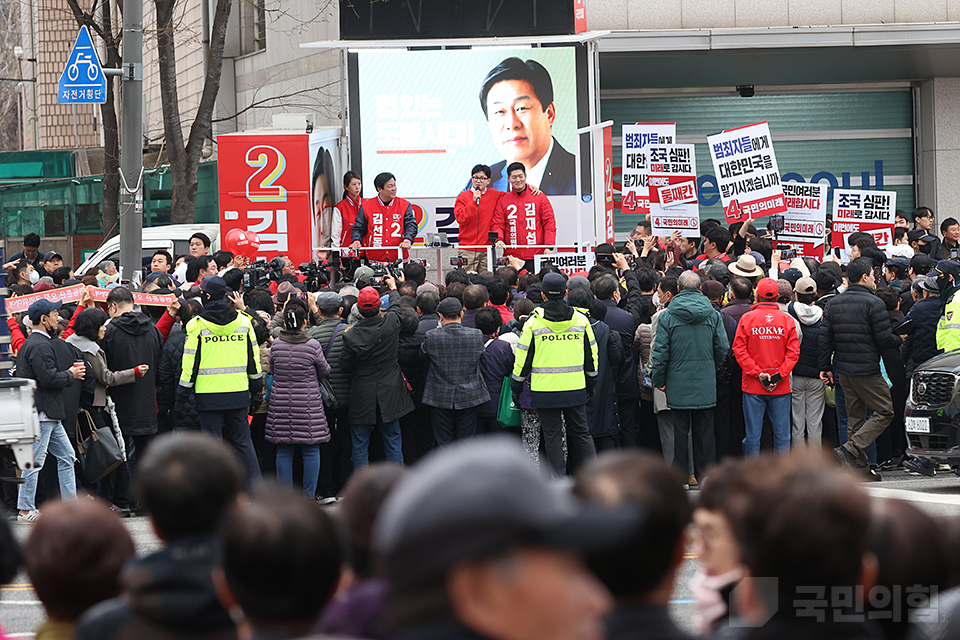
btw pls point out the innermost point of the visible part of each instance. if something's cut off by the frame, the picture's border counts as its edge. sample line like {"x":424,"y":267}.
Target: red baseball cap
{"x":369,"y":298}
{"x":768,"y":289}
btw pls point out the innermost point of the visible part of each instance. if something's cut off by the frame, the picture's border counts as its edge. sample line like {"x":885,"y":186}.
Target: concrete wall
{"x":939,"y":129}
{"x":699,"y":14}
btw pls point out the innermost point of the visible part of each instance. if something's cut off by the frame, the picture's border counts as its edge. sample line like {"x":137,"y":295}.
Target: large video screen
{"x":429,"y":116}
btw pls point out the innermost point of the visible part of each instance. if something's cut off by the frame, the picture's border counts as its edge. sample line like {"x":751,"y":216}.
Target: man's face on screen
{"x":519,"y":125}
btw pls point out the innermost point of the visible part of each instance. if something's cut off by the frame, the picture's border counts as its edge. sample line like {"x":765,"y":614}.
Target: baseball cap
{"x":50,"y":256}
{"x":921,"y":263}
{"x":791,"y":275}
{"x":535,"y":293}
{"x":428,"y":286}
{"x":826,"y":279}
{"x":920,"y":234}
{"x":284,"y":291}
{"x":449,"y":307}
{"x":929,"y":284}
{"x":474,"y":499}
{"x":329,"y":300}
{"x":369,"y":298}
{"x":215,"y":287}
{"x":768,"y":289}
{"x":554,"y":286}
{"x":41,"y":308}
{"x":362,"y":274}
{"x":947,"y":268}
{"x":899,"y":263}
{"x":805,"y":285}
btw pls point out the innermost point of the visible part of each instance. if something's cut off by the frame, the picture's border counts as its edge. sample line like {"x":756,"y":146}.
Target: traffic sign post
{"x":82,"y":80}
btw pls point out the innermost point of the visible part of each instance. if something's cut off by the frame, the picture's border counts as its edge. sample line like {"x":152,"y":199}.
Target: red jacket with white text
{"x":766,"y":341}
{"x":524,"y":218}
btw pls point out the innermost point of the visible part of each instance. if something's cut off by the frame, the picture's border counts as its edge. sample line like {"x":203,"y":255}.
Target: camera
{"x":503,"y":262}
{"x":787,"y":252}
{"x":492,"y":237}
{"x":261,"y":273}
{"x":315,"y":276}
{"x":458,"y":261}
{"x":776,"y":224}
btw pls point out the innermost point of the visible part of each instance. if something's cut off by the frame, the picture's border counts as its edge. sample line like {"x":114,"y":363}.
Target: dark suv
{"x":932,"y":417}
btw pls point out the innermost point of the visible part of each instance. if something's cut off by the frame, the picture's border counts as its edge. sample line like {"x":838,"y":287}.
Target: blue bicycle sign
{"x":83,"y":81}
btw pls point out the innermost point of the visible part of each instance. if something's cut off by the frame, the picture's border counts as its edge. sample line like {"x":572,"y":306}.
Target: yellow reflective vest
{"x":219,"y":360}
{"x":948,"y":329}
{"x":558,"y":357}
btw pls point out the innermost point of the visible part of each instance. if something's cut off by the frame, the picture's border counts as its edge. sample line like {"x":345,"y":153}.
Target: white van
{"x":174,"y":238}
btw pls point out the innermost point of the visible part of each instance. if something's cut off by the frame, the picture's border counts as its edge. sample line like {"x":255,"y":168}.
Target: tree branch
{"x":260,"y":103}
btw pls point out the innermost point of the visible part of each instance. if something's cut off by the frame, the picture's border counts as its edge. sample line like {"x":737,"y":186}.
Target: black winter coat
{"x":171,"y":363}
{"x":37,"y":360}
{"x":603,"y":418}
{"x":855,"y":332}
{"x":132,"y":339}
{"x":369,"y":355}
{"x":413,"y":364}
{"x":339,"y":379}
{"x":925,"y":315}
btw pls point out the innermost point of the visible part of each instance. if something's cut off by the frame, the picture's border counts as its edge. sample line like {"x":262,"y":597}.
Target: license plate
{"x":917,"y":425}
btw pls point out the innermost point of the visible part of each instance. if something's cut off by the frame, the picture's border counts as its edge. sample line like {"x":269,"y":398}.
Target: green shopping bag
{"x":508,"y":414}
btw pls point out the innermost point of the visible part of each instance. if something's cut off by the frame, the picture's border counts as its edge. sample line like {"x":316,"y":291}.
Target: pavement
{"x":21,"y":613}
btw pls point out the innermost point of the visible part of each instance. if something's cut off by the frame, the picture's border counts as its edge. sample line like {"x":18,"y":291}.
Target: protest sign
{"x":747,"y":173}
{"x":569,"y":263}
{"x":636,"y":137}
{"x":673,"y":190}
{"x":805,"y":222}
{"x":868,"y":211}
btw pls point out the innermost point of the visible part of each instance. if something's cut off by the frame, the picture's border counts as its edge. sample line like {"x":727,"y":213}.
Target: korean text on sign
{"x":747,"y":174}
{"x":634,"y":190}
{"x":673,"y":190}
{"x":867,"y":211}
{"x":805,"y":222}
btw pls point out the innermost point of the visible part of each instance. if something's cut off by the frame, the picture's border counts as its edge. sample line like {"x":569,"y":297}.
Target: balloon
{"x":241,"y":242}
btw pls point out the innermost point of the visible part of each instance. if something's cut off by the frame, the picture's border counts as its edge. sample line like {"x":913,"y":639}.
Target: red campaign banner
{"x":22,"y":303}
{"x":882,"y":233}
{"x":264,"y":188}
{"x":736,"y":212}
{"x":608,"y":183}
{"x":579,"y":16}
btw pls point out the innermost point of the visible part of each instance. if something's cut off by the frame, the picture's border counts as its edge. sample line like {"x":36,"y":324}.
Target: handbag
{"x":508,"y":413}
{"x":99,"y":454}
{"x":326,"y":389}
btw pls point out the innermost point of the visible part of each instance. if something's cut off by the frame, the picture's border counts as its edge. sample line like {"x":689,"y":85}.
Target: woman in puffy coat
{"x":295,"y":416}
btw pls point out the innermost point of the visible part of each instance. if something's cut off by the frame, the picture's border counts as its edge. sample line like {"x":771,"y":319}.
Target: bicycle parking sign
{"x":82,"y":81}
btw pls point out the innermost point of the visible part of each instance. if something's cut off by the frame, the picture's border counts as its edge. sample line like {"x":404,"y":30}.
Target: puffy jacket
{"x":690,"y":344}
{"x":131,"y":339}
{"x":855,"y":332}
{"x":810,"y":316}
{"x":496,"y":364}
{"x":766,"y":342}
{"x":925,"y":314}
{"x":339,"y":379}
{"x":171,"y":359}
{"x":296,"y":414}
{"x":38,"y":361}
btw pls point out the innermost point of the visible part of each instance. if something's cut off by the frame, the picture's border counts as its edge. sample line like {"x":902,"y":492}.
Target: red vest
{"x":384,"y":227}
{"x":348,"y":215}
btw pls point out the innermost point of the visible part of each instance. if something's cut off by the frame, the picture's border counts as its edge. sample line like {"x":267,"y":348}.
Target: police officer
{"x":947,"y":273}
{"x":221,"y":362}
{"x":558,"y":352}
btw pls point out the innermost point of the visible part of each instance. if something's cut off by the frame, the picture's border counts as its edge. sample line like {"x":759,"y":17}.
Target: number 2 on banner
{"x":261,"y":156}
{"x":629,"y":202}
{"x":395,"y":229}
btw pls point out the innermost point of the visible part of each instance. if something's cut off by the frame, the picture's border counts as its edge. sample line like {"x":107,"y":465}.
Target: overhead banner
{"x":747,"y":175}
{"x":868,"y":211}
{"x":805,"y":222}
{"x":673,"y":190}
{"x":636,"y":137}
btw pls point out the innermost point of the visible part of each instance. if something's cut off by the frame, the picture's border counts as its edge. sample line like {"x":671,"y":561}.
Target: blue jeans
{"x":360,"y":435}
{"x":870,"y":451}
{"x":311,"y":466}
{"x":778,"y":407}
{"x":53,"y":439}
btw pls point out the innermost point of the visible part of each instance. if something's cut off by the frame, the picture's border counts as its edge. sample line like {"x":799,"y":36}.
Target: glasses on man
{"x":480,"y":178}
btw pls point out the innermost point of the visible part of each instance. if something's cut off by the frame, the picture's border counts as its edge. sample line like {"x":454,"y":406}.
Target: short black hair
{"x":488,"y":320}
{"x":946,"y":224}
{"x":741,"y":288}
{"x":481,"y":168}
{"x":475,"y":296}
{"x":259,"y":299}
{"x":223,"y":258}
{"x":382,"y":179}
{"x":278,"y":528}
{"x":456,"y":275}
{"x":498,"y":290}
{"x":858,"y":268}
{"x":165,"y":254}
{"x":233,"y":278}
{"x":31,"y":240}
{"x":718,"y":236}
{"x":605,"y":286}
{"x":119,"y":295}
{"x":529,"y":71}
{"x":60,"y":274}
{"x":186,"y":482}
{"x":890,"y":297}
{"x":88,"y":323}
{"x":669,"y":284}
{"x":203,"y":263}
{"x":509,"y":274}
{"x":922,"y":212}
{"x":580,"y":298}
{"x":647,"y":279}
{"x":427,"y":302}
{"x":202,"y":237}
{"x":193,"y":269}
{"x":516,"y":166}
{"x":414,"y":272}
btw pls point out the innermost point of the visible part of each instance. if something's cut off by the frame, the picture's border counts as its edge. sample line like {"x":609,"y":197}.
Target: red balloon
{"x":253,"y":244}
{"x":241,"y":242}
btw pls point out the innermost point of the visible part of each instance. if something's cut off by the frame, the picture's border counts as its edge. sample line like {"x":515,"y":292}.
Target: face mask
{"x":925,"y":248}
{"x":655,"y":299}
{"x":34,"y":277}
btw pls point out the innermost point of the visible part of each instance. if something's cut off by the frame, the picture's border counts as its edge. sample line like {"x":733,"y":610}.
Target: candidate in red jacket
{"x":345,"y":211}
{"x":474,"y":213}
{"x":384,"y":221}
{"x":522,"y":218}
{"x":767,"y":348}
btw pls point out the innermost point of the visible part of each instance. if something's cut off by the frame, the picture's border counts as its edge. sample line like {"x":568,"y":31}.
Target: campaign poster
{"x":476,"y":106}
{"x":569,"y":263}
{"x":747,"y":173}
{"x":636,"y":137}
{"x":673,"y":190}
{"x":868,"y":211}
{"x":326,"y":186}
{"x":609,"y":226}
{"x":805,"y":222}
